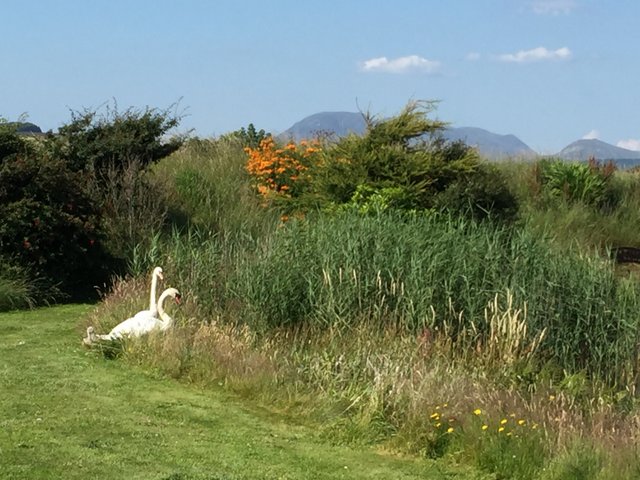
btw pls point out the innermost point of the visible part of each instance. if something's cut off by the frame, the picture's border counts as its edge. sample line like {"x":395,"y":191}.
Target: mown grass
{"x":69,"y":413}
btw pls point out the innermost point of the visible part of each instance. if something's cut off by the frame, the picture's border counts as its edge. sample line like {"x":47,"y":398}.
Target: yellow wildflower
{"x":503,"y":421}
{"x":484,"y":427}
{"x":435,"y":415}
{"x":501,"y":429}
{"x":437,"y":425}
{"x":521,"y":422}
{"x":450,"y":430}
{"x":477,"y":411}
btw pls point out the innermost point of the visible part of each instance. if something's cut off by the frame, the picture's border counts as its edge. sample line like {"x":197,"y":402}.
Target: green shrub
{"x":112,"y":140}
{"x":367,"y":199}
{"x":483,"y":194}
{"x":49,"y":225}
{"x":391,"y":154}
{"x":404,"y":163}
{"x":587,"y":183}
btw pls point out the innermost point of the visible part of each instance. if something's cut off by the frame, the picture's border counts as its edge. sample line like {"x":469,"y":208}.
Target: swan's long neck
{"x":154,"y":287}
{"x":167,"y":321}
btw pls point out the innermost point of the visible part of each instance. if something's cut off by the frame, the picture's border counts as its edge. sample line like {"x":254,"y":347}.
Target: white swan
{"x":140,"y":324}
{"x":153,"y":308}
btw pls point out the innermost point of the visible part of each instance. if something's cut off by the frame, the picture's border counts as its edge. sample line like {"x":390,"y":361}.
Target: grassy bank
{"x":399,"y":333}
{"x":68,"y":413}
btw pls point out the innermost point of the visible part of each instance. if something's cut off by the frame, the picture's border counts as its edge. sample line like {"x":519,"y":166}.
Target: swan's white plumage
{"x":153,"y":308}
{"x":140,"y":324}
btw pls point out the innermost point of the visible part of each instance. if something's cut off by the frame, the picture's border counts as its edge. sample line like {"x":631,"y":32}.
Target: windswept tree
{"x":102,"y":142}
{"x":403,"y":162}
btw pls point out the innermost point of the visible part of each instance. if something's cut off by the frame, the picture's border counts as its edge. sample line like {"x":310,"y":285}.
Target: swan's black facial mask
{"x":178,"y":299}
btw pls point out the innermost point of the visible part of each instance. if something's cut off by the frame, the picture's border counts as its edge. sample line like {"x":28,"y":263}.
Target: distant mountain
{"x":584,"y":149}
{"x":339,"y":123}
{"x":489,"y":144}
{"x":25,"y":127}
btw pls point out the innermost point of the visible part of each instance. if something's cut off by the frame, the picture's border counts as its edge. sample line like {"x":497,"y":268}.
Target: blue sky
{"x":548,"y":71}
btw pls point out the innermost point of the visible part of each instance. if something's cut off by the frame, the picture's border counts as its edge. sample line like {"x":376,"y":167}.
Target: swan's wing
{"x":123,"y":328}
{"x":140,"y":324}
{"x":144,"y":314}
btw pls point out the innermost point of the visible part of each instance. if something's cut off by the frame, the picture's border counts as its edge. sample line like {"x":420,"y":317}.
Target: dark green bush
{"x":391,"y":154}
{"x":49,"y":224}
{"x":10,"y":141}
{"x":576,"y":182}
{"x":74,"y":205}
{"x":114,"y":139}
{"x":483,"y":194}
{"x":113,"y":151}
{"x":404,"y":163}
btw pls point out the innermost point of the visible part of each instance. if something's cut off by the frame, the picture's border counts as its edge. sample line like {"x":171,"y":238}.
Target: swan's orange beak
{"x":178,"y":299}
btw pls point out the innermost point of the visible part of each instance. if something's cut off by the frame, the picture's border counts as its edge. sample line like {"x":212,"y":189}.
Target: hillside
{"x":583,"y":149}
{"x":489,"y":144}
{"x":338,"y":123}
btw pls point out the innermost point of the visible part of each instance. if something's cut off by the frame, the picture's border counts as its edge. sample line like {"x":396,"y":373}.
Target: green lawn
{"x":69,"y":413}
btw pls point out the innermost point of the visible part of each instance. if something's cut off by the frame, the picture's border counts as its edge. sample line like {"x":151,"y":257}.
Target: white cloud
{"x":535,"y":55}
{"x":592,"y":135}
{"x":553,"y":7}
{"x":630,"y":144}
{"x":473,"y":56}
{"x":400,"y":65}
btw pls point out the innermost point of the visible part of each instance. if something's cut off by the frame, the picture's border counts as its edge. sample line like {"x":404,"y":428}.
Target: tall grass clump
{"x":16,"y":291}
{"x":591,"y":206}
{"x":439,"y":273}
{"x":210,"y":189}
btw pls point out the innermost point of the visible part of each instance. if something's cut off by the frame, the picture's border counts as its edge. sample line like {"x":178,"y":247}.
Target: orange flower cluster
{"x":282,"y":171}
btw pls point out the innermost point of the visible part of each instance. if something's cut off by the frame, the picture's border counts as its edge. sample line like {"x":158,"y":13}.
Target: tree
{"x":248,"y":137}
{"x":402,"y":153}
{"x":114,"y":139}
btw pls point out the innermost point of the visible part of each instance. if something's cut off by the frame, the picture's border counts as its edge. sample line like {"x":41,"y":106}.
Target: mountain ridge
{"x":489,"y":144}
{"x":584,"y":149}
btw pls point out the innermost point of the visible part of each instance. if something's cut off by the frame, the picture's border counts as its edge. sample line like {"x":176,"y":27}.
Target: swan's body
{"x":140,"y":324}
{"x":153,"y":307}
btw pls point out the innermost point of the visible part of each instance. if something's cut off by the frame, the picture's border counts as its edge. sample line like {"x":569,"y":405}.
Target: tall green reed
{"x":431,"y":272}
{"x":210,"y":189}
